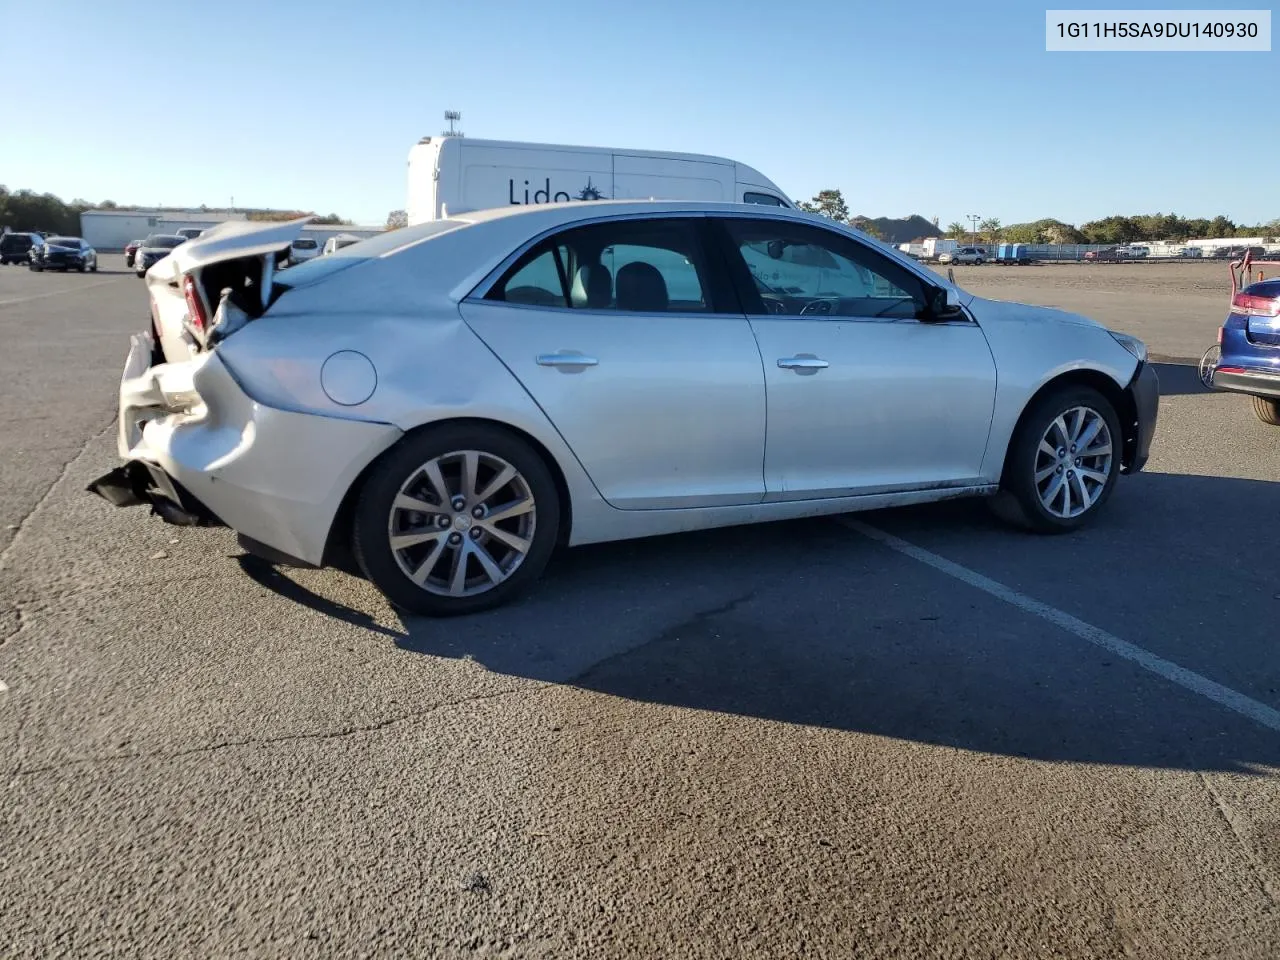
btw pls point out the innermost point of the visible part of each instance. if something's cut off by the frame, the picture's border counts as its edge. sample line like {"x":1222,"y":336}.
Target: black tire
{"x":1267,"y":410}
{"x":82,"y":268}
{"x":1019,"y":500}
{"x":371,"y":536}
{"x":94,"y":268}
{"x":36,"y":267}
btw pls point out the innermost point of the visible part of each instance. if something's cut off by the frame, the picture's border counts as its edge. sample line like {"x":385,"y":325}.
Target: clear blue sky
{"x":937,"y":108}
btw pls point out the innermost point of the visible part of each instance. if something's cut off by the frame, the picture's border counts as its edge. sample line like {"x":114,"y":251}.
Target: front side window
{"x":647,"y":266}
{"x":767,"y":199}
{"x":801,"y":270}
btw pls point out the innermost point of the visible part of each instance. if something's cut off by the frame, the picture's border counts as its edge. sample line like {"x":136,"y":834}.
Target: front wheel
{"x":94,"y":268}
{"x":1267,"y":410}
{"x":456,"y":519}
{"x":1062,"y":463}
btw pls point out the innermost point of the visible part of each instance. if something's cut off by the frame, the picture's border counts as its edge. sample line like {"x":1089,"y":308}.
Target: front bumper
{"x":198,"y":449}
{"x":1144,"y":389}
{"x":1255,"y":383}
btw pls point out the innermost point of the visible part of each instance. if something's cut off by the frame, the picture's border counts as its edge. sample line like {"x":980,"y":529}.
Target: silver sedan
{"x":449,"y":402}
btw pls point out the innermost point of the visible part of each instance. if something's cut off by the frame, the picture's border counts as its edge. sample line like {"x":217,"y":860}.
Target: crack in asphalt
{"x":337,"y":734}
{"x":44,"y":497}
{"x":1229,"y":818}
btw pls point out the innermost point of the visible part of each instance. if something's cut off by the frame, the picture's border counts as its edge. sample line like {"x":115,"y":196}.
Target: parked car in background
{"x":189,"y":233}
{"x":1250,"y":340}
{"x":302,"y":250}
{"x":153,"y":248}
{"x":130,"y":249}
{"x":63,"y":253}
{"x":15,"y":247}
{"x":451,"y":401}
{"x":975,"y":255}
{"x":338,"y":242}
{"x":1102,"y":256}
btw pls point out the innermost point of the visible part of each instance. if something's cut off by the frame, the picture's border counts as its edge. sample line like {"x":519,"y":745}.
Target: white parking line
{"x":54,"y":293}
{"x":1188,"y":679}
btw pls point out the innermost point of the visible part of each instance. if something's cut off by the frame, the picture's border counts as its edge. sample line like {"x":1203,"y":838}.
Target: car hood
{"x":1010,"y":311}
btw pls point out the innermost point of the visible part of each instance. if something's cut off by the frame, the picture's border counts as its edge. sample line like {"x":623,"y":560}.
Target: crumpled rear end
{"x":198,"y":449}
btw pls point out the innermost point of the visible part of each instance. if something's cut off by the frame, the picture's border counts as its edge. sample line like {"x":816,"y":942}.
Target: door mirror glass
{"x":941,"y":306}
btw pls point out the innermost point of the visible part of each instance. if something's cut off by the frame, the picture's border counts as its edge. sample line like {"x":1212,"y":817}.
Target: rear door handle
{"x":566,"y":361}
{"x":803,"y":363}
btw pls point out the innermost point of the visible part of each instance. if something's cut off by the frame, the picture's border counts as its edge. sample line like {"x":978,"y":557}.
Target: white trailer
{"x":456,"y":174}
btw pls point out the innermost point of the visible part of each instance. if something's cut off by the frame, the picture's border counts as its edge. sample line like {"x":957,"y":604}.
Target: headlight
{"x":1132,"y":344}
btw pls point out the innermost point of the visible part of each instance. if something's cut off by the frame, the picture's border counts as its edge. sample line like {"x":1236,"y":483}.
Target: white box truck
{"x":458,"y":174}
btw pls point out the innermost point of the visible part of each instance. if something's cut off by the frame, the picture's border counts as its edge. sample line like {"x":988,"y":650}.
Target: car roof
{"x":470,"y":245}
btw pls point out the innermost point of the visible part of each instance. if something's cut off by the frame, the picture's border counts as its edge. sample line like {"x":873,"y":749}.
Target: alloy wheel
{"x":1073,"y":462}
{"x":462,"y":523}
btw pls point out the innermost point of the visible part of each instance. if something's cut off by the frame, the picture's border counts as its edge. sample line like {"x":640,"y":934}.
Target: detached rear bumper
{"x":1255,"y":383}
{"x":1144,"y":388}
{"x":199,"y":450}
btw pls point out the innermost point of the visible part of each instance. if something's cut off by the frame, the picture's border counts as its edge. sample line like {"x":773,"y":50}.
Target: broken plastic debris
{"x":159,"y":555}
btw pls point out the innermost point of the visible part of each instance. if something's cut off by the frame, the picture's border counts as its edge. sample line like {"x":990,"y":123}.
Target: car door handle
{"x":803,"y":363}
{"x":569,"y":361}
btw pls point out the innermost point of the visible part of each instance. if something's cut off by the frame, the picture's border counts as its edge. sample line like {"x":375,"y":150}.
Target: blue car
{"x":1250,"y":340}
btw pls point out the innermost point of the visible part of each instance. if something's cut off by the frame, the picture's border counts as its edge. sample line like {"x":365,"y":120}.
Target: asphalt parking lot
{"x":912,"y":734}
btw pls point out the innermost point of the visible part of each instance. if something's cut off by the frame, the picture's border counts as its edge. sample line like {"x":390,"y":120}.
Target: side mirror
{"x":776,"y":249}
{"x":940,"y":307}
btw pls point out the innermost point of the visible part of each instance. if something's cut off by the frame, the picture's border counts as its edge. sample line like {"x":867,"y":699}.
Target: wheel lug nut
{"x":455,"y":538}
{"x":1077,"y":461}
{"x":475,"y":533}
{"x":459,"y":503}
{"x":442,"y":521}
{"x":478,"y":512}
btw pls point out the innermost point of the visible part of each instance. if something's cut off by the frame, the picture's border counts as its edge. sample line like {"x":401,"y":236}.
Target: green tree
{"x":830,"y":204}
{"x":956,"y":230}
{"x":397,"y":219}
{"x":867,"y":227}
{"x":991,"y":227}
{"x":1220,"y":226}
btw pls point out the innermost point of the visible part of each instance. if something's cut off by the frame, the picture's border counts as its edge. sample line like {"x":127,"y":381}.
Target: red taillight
{"x":1252,"y":306}
{"x":195,"y":306}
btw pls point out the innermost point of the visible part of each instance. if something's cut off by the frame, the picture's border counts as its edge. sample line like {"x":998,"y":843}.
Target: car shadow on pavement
{"x":1178,"y":379}
{"x":811,"y":623}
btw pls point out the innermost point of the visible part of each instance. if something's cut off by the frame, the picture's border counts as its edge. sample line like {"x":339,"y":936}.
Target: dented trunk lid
{"x":233,"y":266}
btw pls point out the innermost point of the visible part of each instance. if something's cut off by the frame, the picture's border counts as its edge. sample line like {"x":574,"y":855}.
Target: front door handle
{"x":803,"y":363}
{"x":566,"y":361}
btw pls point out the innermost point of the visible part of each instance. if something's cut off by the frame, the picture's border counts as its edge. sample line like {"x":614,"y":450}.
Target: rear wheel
{"x":1267,"y":410}
{"x":1063,"y":462}
{"x":456,"y":519}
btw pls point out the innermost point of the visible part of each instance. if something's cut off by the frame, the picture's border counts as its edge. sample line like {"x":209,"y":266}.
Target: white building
{"x":113,"y":229}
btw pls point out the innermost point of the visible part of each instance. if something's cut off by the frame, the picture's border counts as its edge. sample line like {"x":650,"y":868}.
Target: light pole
{"x":975,"y":218}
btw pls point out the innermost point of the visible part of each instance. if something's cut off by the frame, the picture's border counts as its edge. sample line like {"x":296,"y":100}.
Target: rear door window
{"x":646,"y":265}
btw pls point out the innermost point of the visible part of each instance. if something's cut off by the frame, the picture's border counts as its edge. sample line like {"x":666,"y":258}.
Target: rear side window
{"x":644,"y":266}
{"x":766,"y":199}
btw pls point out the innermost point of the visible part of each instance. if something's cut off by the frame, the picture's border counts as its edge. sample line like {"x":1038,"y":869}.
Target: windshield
{"x":64,"y":241}
{"x":163,"y":241}
{"x":304,"y":244}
